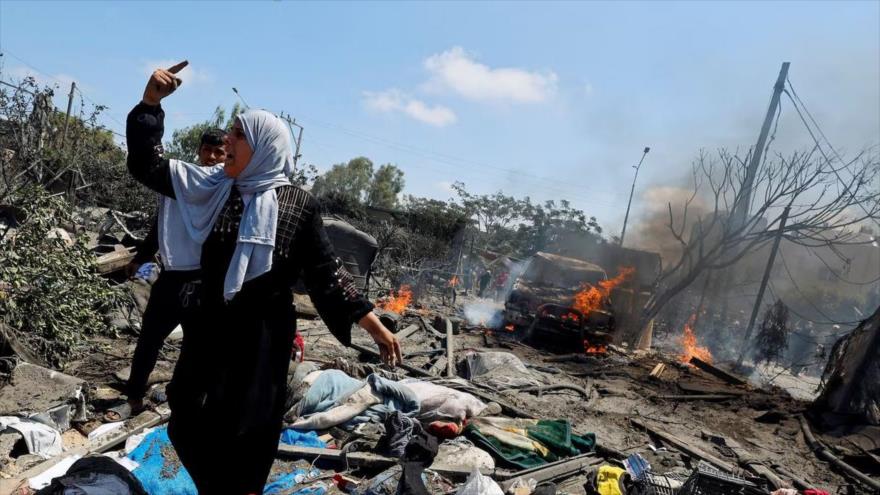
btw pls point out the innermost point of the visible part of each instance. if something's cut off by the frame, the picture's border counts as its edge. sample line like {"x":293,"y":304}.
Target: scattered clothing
{"x":40,"y":439}
{"x":607,"y":480}
{"x":160,"y":470}
{"x":304,"y":439}
{"x":418,"y":455}
{"x":337,"y":399}
{"x":43,"y":479}
{"x":785,"y":491}
{"x":399,"y":431}
{"x":95,"y":475}
{"x":526,"y":443}
{"x":437,"y":402}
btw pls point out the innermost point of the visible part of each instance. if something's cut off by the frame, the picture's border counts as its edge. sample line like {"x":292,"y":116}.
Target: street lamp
{"x":631,"y":191}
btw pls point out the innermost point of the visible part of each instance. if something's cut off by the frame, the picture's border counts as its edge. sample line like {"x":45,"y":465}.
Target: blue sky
{"x":549,"y":100}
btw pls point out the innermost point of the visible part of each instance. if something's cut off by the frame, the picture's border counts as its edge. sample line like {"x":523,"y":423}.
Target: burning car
{"x":565,"y":298}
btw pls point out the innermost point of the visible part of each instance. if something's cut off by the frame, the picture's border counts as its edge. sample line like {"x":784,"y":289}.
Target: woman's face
{"x":238,"y":151}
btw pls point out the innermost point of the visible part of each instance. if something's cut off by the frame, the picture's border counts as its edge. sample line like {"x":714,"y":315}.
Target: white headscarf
{"x":201,"y":193}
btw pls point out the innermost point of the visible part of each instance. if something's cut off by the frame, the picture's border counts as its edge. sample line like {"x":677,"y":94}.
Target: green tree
{"x":386,"y":186}
{"x":350,"y":179}
{"x":184,"y":144}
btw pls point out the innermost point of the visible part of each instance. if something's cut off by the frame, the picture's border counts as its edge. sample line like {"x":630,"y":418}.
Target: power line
{"x":804,"y":296}
{"x":838,"y":276}
{"x":775,"y":295}
{"x":799,"y":103}
{"x":441,"y":157}
{"x":77,"y":88}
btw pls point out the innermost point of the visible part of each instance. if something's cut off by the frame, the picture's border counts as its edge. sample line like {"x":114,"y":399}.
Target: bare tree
{"x":828,"y":201}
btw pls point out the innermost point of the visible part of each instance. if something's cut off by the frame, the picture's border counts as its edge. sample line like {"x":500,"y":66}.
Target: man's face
{"x":210,"y":154}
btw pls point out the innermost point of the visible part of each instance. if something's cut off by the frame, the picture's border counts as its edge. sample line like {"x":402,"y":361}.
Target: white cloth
{"x":60,"y":468}
{"x":40,"y":439}
{"x":437,"y":402}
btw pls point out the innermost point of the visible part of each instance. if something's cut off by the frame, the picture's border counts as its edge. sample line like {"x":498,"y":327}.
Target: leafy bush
{"x":50,"y":293}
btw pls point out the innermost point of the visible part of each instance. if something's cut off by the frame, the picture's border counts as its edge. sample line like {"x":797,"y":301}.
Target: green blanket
{"x":555,"y":435}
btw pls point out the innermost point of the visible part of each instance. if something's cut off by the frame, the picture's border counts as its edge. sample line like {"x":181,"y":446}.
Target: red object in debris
{"x":814,"y":491}
{"x":345,"y":483}
{"x":445,"y":429}
{"x":299,"y":348}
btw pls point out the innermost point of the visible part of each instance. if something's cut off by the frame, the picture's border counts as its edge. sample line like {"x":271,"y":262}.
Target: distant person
{"x":501,"y":284}
{"x":485,"y":278}
{"x":164,"y":308}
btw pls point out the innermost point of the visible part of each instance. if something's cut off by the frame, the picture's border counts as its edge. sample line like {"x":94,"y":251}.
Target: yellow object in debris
{"x":608,"y":480}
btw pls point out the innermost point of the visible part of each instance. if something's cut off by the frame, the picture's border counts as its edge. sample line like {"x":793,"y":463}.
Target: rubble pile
{"x":485,"y":402}
{"x":471,"y":411}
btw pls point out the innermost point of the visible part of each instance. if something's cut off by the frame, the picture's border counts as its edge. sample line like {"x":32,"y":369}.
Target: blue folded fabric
{"x":302,"y":438}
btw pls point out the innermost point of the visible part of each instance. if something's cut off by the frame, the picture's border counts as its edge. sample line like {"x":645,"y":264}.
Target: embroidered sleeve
{"x":331,"y":287}
{"x":144,"y":128}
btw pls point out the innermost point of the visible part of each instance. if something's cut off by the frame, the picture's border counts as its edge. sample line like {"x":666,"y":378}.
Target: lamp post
{"x":631,"y":191}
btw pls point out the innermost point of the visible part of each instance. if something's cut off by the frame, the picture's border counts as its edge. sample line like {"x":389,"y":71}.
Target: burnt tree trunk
{"x":852,"y":375}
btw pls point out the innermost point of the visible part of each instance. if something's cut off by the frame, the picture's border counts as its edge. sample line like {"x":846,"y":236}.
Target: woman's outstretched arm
{"x":144,"y":129}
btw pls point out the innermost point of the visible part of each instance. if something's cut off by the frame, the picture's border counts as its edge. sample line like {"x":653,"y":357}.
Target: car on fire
{"x":544,"y":302}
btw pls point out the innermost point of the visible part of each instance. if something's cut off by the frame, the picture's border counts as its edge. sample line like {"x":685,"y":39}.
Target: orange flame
{"x":593,"y":350}
{"x":397,"y":301}
{"x":689,"y":344}
{"x":453,"y":282}
{"x":590,"y":298}
{"x":509,"y":327}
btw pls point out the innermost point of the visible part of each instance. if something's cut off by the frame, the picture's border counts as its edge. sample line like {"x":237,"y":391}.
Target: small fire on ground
{"x":595,"y":350}
{"x":591,"y":297}
{"x":689,"y":345}
{"x":397,"y":301}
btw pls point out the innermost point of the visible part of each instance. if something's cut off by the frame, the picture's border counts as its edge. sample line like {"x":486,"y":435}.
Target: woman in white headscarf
{"x":251,"y":234}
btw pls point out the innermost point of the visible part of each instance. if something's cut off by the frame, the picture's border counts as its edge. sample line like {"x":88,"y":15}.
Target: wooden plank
{"x":708,"y":397}
{"x":717,"y":372}
{"x":450,"y":349}
{"x":439,"y":365}
{"x":116,"y":260}
{"x":686,"y":447}
{"x":562,"y":469}
{"x":406,"y":332}
{"x":366,"y":459}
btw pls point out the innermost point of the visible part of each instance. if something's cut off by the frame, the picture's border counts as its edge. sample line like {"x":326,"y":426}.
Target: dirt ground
{"x":761,"y":424}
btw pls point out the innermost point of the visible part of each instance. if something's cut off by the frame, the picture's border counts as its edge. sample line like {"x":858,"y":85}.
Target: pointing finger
{"x":174,"y":69}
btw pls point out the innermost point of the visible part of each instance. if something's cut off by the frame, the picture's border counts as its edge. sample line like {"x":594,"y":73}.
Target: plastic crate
{"x":658,"y":484}
{"x":708,"y":480}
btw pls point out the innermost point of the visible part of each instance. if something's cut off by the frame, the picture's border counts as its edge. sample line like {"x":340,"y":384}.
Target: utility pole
{"x":741,"y":210}
{"x":67,"y":117}
{"x":757,"y":307}
{"x":631,"y":191}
